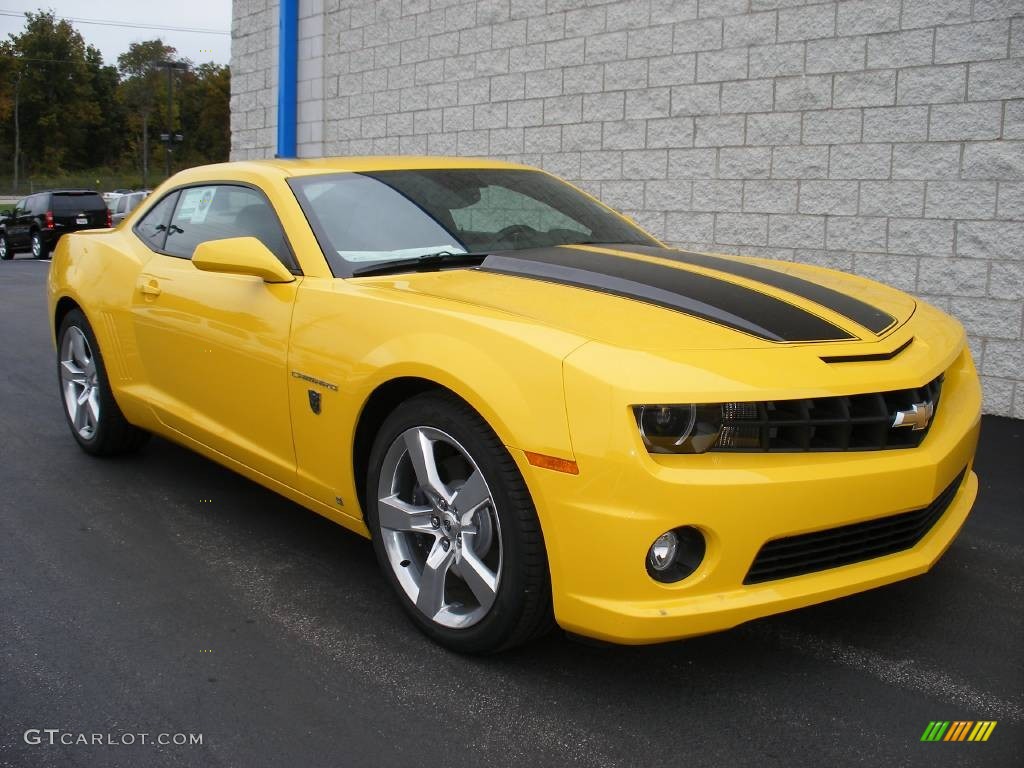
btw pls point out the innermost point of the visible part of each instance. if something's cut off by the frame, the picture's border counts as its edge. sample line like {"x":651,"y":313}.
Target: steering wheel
{"x":514,"y":232}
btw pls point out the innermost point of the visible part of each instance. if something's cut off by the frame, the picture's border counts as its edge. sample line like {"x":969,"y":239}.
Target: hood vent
{"x":878,"y":356}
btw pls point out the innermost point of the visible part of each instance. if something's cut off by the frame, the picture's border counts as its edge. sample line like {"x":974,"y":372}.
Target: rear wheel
{"x":5,"y":248}
{"x":39,"y":249}
{"x":454,"y":528}
{"x":93,"y":416}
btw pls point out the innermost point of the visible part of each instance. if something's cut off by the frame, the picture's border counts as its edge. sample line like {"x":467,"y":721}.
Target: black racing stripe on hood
{"x":872,"y":318}
{"x":692,"y":293}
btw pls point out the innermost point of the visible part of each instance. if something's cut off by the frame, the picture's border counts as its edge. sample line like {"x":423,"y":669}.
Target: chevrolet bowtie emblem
{"x":917,"y":417}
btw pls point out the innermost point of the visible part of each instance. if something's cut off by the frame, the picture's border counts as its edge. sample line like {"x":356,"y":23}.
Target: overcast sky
{"x":114,"y":40}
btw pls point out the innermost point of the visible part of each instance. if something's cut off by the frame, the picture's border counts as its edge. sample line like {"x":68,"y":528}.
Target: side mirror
{"x":241,"y":256}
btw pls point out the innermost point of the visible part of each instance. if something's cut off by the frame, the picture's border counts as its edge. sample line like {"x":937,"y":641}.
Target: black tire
{"x":113,"y":435}
{"x":43,"y":251}
{"x":6,"y":254}
{"x":521,"y":610}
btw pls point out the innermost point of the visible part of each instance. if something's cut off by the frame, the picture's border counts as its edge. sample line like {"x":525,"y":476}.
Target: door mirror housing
{"x":241,"y":256}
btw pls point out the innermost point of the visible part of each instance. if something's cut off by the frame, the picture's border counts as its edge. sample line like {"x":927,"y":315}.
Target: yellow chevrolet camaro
{"x":537,"y":412}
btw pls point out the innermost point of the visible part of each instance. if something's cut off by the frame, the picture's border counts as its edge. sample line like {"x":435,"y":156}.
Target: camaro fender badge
{"x":314,"y":401}
{"x":315,"y":398}
{"x":917,"y":417}
{"x":318,"y":382}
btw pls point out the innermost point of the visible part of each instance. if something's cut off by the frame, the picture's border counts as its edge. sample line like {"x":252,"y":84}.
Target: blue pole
{"x":287,"y":77}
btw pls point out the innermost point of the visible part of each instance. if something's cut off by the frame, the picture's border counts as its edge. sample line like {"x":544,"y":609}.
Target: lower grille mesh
{"x":831,"y":548}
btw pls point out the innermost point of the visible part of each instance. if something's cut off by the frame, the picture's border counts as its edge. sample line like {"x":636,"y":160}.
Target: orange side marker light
{"x":552,"y":462}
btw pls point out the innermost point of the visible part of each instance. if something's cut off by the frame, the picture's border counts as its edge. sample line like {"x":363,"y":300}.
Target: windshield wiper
{"x":428,"y":262}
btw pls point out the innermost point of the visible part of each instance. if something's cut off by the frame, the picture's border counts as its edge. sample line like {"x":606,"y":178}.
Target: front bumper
{"x":598,"y":525}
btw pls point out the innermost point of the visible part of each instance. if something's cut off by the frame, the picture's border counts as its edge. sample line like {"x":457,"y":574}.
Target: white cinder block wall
{"x":883,"y":137}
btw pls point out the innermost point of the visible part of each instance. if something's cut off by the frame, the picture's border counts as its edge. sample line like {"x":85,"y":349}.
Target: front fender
{"x":516,"y":389}
{"x":358,"y":337}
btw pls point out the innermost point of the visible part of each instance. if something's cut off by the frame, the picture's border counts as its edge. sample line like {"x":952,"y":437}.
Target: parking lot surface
{"x":164,"y":594}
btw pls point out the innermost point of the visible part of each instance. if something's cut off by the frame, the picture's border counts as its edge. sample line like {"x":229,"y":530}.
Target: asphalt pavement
{"x":162,"y":594}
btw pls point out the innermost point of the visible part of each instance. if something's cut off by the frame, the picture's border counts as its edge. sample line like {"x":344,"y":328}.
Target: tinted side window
{"x":217,"y":212}
{"x":153,"y":227}
{"x":21,"y":208}
{"x":37,"y":204}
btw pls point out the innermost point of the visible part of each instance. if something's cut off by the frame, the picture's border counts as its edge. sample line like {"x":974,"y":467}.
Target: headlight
{"x":679,"y":428}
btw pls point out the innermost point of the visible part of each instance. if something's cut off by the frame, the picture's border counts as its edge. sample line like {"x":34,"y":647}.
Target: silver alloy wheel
{"x":37,"y":245}
{"x":439,"y":527}
{"x":3,"y":247}
{"x":80,"y":382}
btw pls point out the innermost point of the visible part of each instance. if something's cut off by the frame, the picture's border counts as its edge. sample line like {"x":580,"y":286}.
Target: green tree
{"x":205,"y":115}
{"x":11,"y":71}
{"x":63,"y":110}
{"x":140,"y":93}
{"x":56,"y":96}
{"x":106,"y":134}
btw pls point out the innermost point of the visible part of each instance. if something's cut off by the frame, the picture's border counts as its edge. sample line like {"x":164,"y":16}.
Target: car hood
{"x":655,"y":298}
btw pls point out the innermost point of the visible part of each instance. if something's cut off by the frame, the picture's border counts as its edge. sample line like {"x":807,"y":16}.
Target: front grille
{"x":831,"y":548}
{"x":847,"y":423}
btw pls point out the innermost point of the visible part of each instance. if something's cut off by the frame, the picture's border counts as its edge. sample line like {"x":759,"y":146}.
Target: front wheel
{"x":454,"y":528}
{"x":5,"y":248}
{"x":96,"y":421}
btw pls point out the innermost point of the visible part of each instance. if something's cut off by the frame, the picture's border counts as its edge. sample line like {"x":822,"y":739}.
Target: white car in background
{"x":125,"y":204}
{"x":110,"y":197}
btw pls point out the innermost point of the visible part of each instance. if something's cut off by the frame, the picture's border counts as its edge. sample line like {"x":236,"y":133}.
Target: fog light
{"x":663,"y":551}
{"x":676,"y":554}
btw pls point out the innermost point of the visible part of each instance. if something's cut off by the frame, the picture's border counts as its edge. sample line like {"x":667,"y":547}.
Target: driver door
{"x":17,"y":226}
{"x":214,"y":347}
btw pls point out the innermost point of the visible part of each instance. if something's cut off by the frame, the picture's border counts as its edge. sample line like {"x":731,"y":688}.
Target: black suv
{"x":37,"y":222}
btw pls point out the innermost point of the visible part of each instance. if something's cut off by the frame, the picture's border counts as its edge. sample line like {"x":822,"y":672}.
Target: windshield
{"x":374,"y":218}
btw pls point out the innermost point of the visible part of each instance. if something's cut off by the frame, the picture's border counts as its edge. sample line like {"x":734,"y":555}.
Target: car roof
{"x":305,"y":166}
{"x":313,"y":166}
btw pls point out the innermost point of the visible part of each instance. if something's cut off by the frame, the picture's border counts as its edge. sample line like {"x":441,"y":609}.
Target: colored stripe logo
{"x":715,"y":299}
{"x":860,"y":312}
{"x":958,"y":730}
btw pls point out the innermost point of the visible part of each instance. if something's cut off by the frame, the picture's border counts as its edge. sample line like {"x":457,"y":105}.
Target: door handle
{"x":149,"y":287}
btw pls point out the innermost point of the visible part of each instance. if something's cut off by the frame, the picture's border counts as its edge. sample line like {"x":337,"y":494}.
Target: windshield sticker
{"x":195,"y":204}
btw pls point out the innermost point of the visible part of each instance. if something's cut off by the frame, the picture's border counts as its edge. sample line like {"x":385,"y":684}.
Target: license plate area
{"x":81,"y":220}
